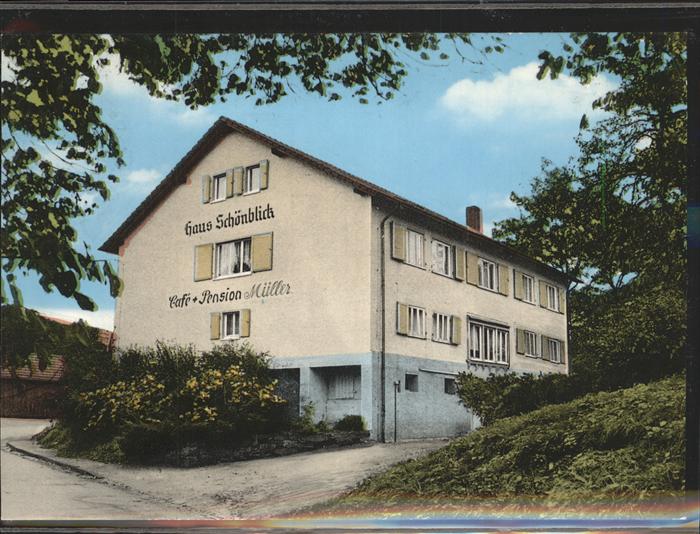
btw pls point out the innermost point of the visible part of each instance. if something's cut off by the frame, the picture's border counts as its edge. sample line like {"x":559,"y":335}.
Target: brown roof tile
{"x":52,"y":373}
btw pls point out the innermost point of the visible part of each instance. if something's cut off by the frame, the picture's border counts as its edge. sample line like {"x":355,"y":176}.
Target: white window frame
{"x":555,"y":350}
{"x":489,"y":343}
{"x":530,"y":344}
{"x":415,"y":242}
{"x":444,"y":266}
{"x":249,"y":186}
{"x":218,"y":187}
{"x":442,"y":327}
{"x":528,"y":288}
{"x":240,"y":246}
{"x":552,"y":297}
{"x":231,"y":318}
{"x":416,"y":322}
{"x":488,"y":274}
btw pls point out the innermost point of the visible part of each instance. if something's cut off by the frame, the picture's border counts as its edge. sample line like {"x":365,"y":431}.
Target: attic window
{"x":218,"y":191}
{"x":251,"y":184}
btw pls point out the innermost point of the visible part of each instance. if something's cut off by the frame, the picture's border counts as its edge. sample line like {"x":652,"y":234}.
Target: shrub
{"x":304,"y":424}
{"x":351,"y":423}
{"x":628,"y":442}
{"x":500,"y":396}
{"x":148,"y":400}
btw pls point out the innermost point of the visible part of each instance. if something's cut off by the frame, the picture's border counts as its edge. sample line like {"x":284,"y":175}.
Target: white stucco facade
{"x":317,"y":305}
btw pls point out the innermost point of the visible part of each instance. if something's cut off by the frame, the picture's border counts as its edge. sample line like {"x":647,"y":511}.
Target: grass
{"x":59,"y":438}
{"x":628,"y":443}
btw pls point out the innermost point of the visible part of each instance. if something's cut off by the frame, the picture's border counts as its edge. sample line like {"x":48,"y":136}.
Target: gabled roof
{"x":224,"y":126}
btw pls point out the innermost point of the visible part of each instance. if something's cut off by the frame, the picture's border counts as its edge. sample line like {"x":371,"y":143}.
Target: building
{"x":32,"y":392}
{"x":370,"y":304}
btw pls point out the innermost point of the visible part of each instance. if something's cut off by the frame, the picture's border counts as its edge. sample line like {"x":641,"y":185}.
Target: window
{"x":528,"y":288}
{"x":416,"y":321}
{"x":414,"y":248}
{"x":475,"y":341}
{"x":442,"y":258}
{"x":442,"y":327}
{"x":232,"y":258}
{"x":218,"y":185}
{"x":552,"y":298}
{"x":230,"y":325}
{"x":530,"y":343}
{"x":450,"y":386}
{"x":411,"y":382}
{"x":488,"y":274}
{"x":251,"y":184}
{"x":554,"y":350}
{"x":488,"y":343}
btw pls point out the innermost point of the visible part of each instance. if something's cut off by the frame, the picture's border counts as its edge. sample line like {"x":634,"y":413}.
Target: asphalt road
{"x":269,"y":487}
{"x":34,"y":490}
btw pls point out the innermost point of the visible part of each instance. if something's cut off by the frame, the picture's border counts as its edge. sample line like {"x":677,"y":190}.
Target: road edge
{"x":124,"y":487}
{"x":53,"y":461}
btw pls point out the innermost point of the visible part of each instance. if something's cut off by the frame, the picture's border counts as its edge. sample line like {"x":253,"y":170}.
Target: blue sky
{"x":456,"y":134}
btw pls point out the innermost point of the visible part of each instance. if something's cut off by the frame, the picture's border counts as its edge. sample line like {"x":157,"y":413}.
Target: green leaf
{"x":85,"y":302}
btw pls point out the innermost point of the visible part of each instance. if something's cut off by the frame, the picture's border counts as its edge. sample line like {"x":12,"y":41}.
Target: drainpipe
{"x":382,"y":362}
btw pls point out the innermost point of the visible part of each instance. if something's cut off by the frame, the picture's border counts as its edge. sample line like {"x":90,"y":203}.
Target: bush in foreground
{"x":351,"y":423}
{"x":627,"y":442}
{"x":150,"y":401}
{"x":499,"y":396}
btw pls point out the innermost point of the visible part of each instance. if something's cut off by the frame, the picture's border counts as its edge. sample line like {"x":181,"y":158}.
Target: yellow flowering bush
{"x":169,"y":388}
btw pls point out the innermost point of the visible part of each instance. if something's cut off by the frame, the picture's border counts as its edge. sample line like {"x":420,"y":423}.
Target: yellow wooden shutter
{"x":402,"y":318}
{"x":229,"y":183}
{"x":518,"y":285}
{"x":563,"y":351}
{"x":456,"y":334}
{"x":206,"y":189}
{"x":398,"y":240}
{"x":503,"y":279}
{"x":261,"y":252}
{"x":460,"y":265}
{"x":472,"y":269}
{"x":519,"y":341}
{"x":203,"y":262}
{"x":562,"y":300}
{"x":543,"y":294}
{"x":545,"y":348}
{"x":215,"y":325}
{"x":245,"y":323}
{"x":264,"y":173}
{"x":238,"y":180}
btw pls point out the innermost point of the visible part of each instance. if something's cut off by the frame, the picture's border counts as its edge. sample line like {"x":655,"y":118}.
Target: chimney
{"x":474,"y":219}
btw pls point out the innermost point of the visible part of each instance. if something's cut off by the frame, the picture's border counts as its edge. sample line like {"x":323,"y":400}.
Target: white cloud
{"x":501,"y":203}
{"x":99,"y":319}
{"x":520,"y":95}
{"x":119,"y":84}
{"x":195,"y":117}
{"x":88,"y":199}
{"x":489,"y":201}
{"x":115,"y":81}
{"x":488,"y":228}
{"x":141,"y":176}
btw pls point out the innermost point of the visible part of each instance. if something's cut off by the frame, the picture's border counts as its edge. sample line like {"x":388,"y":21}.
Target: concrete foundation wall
{"x":427,"y":413}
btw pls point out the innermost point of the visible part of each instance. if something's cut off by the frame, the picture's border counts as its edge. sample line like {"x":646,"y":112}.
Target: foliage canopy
{"x":56,"y":147}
